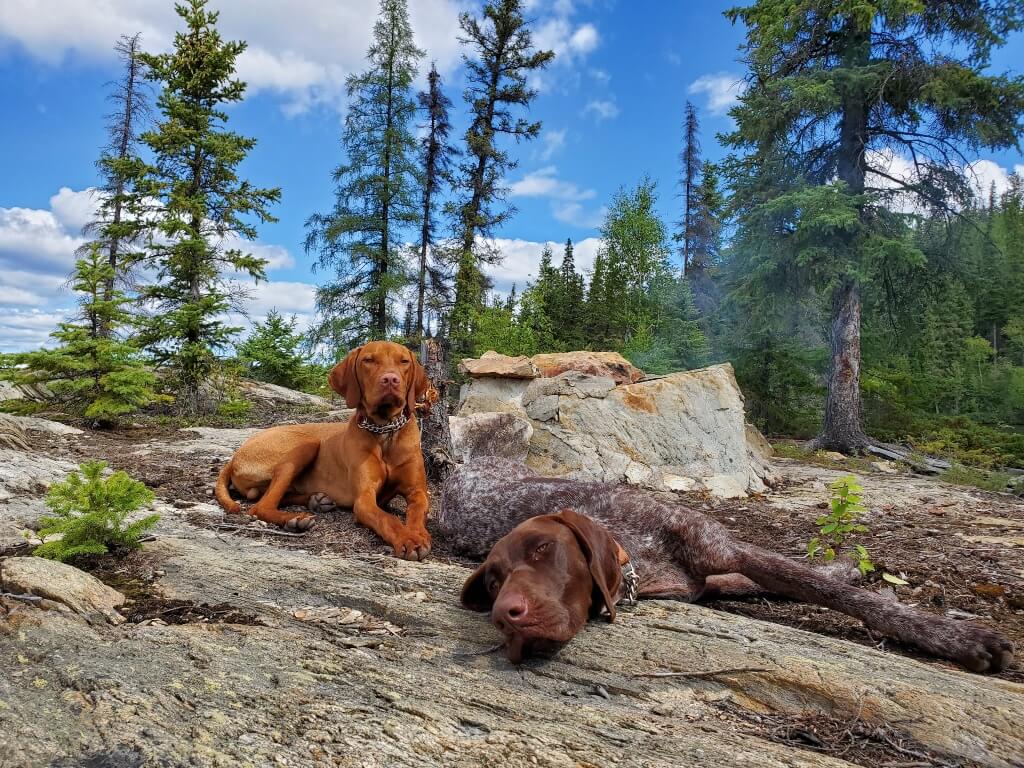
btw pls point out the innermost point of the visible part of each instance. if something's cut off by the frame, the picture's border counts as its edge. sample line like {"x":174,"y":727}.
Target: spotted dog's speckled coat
{"x":681,"y":554}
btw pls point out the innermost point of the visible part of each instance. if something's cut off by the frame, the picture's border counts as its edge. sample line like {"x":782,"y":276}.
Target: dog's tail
{"x":223,"y":496}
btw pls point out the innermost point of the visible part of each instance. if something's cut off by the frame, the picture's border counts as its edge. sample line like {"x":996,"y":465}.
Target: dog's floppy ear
{"x":344,"y":379}
{"x":418,"y":387}
{"x":474,"y":595}
{"x":602,"y":553}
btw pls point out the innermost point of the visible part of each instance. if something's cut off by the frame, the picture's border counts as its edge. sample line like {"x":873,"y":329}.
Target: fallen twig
{"x":705,"y":673}
{"x":250,"y":529}
{"x":23,"y":598}
{"x":484,"y":652}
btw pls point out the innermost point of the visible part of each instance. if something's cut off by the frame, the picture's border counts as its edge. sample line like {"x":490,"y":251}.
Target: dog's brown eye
{"x":406,"y":362}
{"x":542,"y":549}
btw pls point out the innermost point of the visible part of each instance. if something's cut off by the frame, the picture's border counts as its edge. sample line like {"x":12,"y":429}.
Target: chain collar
{"x":630,"y":580}
{"x":384,"y":429}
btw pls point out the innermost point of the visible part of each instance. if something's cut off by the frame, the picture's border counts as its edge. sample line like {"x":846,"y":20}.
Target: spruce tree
{"x":567,"y":305}
{"x":273,"y":353}
{"x":690,"y":171}
{"x":501,"y":61}
{"x":435,"y":159}
{"x":91,"y":372}
{"x":834,"y":89}
{"x":119,"y":223}
{"x":201,"y":200}
{"x":375,"y":198}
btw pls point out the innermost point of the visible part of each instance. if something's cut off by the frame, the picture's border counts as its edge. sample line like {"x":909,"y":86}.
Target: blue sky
{"x":612,"y":107}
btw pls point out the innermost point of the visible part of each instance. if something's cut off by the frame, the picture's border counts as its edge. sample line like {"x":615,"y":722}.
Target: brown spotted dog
{"x":545,"y":574}
{"x":362,"y":464}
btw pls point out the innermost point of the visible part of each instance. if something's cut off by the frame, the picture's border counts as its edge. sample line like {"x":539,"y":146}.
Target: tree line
{"x":853,"y":297}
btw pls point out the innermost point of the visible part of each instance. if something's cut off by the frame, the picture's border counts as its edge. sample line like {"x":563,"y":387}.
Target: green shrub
{"x":835,"y":527}
{"x":978,"y":478}
{"x":91,"y":513}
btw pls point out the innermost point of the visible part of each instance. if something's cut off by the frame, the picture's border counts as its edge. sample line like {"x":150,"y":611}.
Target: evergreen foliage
{"x":91,"y":514}
{"x":91,"y":372}
{"x":835,"y":89}
{"x":501,"y":60}
{"x":360,"y":240}
{"x":201,"y":200}
{"x":273,"y":353}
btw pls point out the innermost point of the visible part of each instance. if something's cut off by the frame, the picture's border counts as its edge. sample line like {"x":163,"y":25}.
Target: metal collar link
{"x":630,"y":580}
{"x":383,"y":429}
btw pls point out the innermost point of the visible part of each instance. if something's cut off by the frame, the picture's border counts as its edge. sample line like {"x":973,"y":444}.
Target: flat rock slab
{"x":60,"y":583}
{"x":408,"y":681}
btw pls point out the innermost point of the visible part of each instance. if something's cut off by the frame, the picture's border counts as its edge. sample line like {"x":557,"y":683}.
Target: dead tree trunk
{"x":435,"y":434}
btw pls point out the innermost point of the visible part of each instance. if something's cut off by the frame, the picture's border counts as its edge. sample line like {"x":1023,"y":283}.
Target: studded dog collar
{"x":383,"y":429}
{"x":630,"y":580}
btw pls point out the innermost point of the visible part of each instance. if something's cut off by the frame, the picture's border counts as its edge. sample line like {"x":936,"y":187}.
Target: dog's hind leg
{"x":288,"y":468}
{"x":977,"y":648}
{"x":222,"y":493}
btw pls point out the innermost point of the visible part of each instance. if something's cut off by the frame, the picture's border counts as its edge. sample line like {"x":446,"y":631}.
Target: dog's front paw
{"x":412,"y":544}
{"x":321,"y":502}
{"x":299,"y":523}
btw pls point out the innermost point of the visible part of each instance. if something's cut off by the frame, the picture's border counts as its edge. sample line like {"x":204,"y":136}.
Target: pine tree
{"x":118,"y":223}
{"x":567,"y":306}
{"x":691,"y":165}
{"x":435,"y":159}
{"x":201,"y":199}
{"x":706,"y":239}
{"x":273,"y":353}
{"x":375,"y":199}
{"x":502,"y":60}
{"x":834,"y":89}
{"x":595,"y":311}
{"x":92,"y":373}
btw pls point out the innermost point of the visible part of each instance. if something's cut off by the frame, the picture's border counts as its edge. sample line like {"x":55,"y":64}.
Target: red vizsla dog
{"x":361,"y":464}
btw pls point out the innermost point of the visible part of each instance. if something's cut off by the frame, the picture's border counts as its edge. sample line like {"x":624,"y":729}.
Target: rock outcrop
{"x":308,"y":688}
{"x":61,"y":585}
{"x":684,"y":431}
{"x":367,"y":661}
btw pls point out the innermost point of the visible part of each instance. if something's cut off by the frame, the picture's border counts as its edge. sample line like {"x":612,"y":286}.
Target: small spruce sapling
{"x":91,"y":514}
{"x":839,"y":523}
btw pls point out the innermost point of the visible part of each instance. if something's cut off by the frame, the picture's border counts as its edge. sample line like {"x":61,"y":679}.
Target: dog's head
{"x":381,"y":379}
{"x":544,"y":579}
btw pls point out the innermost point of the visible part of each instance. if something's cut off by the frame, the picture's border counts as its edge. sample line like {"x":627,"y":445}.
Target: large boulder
{"x":607,"y":364}
{"x":610,"y":365}
{"x":493,"y":364}
{"x":62,"y":585}
{"x":277,"y":395}
{"x":685,"y":431}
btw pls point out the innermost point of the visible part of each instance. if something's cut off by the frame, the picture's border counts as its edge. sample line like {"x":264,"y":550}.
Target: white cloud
{"x":37,"y":253}
{"x":545,"y":183}
{"x":285,"y":297}
{"x":301,"y":49}
{"x":521,"y":259}
{"x":576,"y":215}
{"x":982,"y":175}
{"x":602,"y":109}
{"x":22,"y":329}
{"x":566,"y":197}
{"x":723,"y":89}
{"x":552,"y":142}
{"x":600,"y":75}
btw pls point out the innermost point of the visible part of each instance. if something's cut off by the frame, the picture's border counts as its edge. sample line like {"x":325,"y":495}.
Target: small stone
{"x":318,"y":736}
